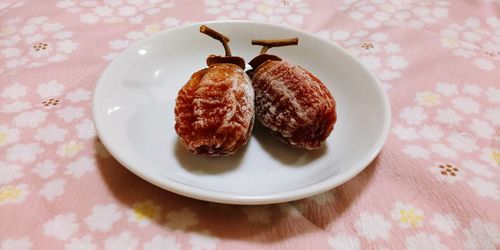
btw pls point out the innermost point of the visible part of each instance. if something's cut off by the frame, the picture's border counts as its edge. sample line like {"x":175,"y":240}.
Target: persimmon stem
{"x":267,"y":44}
{"x":218,"y":36}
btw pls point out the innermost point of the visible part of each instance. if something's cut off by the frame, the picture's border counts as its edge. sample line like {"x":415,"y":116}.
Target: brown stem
{"x":267,"y":44}
{"x":218,"y":36}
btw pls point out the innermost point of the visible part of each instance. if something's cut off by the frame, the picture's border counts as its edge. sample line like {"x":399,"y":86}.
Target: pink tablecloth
{"x":434,"y":186}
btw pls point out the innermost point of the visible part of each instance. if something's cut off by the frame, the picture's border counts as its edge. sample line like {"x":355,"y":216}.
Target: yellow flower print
{"x":265,"y":9}
{"x":144,"y":212}
{"x":7,"y":31}
{"x":12,"y":194}
{"x":152,"y":29}
{"x":449,"y":42}
{"x":427,"y":98}
{"x":407,"y":215}
{"x":388,"y":8}
{"x":495,"y":156}
{"x":3,"y":137}
{"x":410,"y":216}
{"x":70,"y":148}
{"x":491,"y":156}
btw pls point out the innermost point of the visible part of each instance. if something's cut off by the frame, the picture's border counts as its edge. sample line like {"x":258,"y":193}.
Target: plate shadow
{"x":291,"y":157}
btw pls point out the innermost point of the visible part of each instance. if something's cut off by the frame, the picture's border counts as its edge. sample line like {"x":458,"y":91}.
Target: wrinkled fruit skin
{"x":214,"y":111}
{"x":293,"y":104}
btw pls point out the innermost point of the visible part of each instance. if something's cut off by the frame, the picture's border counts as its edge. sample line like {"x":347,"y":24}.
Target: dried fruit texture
{"x":214,"y":111}
{"x":293,"y":104}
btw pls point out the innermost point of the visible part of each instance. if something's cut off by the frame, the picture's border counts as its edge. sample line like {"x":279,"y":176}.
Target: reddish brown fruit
{"x":292,"y":103}
{"x":214,"y":110}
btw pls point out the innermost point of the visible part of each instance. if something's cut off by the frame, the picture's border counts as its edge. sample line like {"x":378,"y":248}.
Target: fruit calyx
{"x":228,"y":58}
{"x":267,"y":44}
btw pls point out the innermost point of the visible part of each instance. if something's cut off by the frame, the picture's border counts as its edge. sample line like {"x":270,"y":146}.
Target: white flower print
{"x":397,"y":62}
{"x":484,"y":64}
{"x":50,"y":89}
{"x":24,"y":152}
{"x":203,"y":241}
{"x":481,"y":129}
{"x":11,"y":5}
{"x":123,"y":241}
{"x":8,"y":135}
{"x":103,"y":217}
{"x":444,"y":151}
{"x":260,"y":214}
{"x":466,"y":104}
{"x":373,"y":226}
{"x":78,"y":95}
{"x":33,"y":42}
{"x":13,"y":194}
{"x":9,"y":172}
{"x":416,"y":152}
{"x":70,"y":113}
{"x":462,"y":142}
{"x":80,"y":167}
{"x":475,"y":40}
{"x":53,"y":189}
{"x":414,"y":14}
{"x":160,"y":243}
{"x":290,"y":210}
{"x":84,"y":243}
{"x":447,"y":172}
{"x":405,"y":133}
{"x":413,"y":115}
{"x":472,"y":89}
{"x":407,"y":215}
{"x":85,"y":130}
{"x":150,"y":29}
{"x":118,"y":44}
{"x":482,"y":235}
{"x":432,"y":132}
{"x":143,"y":213}
{"x":343,"y":241}
{"x":323,"y":198}
{"x":182,"y":219}
{"x":448,"y":116}
{"x":463,"y":128}
{"x":61,"y":226}
{"x":373,"y":49}
{"x":290,"y":13}
{"x":50,"y":134}
{"x":485,"y":188}
{"x":15,"y":107}
{"x":445,"y":223}
{"x":446,"y":89}
{"x":30,"y":119}
{"x":110,"y":11}
{"x":493,"y":115}
{"x":424,"y":241}
{"x":493,"y":94}
{"x":478,"y":168}
{"x":45,"y":169}
{"x":70,"y":149}
{"x":14,"y":91}
{"x":16,"y":244}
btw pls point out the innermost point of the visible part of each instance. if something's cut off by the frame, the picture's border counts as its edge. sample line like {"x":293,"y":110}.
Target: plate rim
{"x":227,"y":198}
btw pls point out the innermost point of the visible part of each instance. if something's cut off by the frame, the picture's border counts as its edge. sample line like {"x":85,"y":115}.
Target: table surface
{"x":435,"y":184}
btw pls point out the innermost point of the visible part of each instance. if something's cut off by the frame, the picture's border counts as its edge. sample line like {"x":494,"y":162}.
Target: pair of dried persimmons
{"x":215,"y":109}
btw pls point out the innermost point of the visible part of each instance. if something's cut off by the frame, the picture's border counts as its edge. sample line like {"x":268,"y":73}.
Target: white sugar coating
{"x":219,"y":111}
{"x":292,"y":103}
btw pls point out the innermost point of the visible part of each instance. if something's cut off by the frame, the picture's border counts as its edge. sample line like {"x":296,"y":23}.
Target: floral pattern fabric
{"x":436,"y":180}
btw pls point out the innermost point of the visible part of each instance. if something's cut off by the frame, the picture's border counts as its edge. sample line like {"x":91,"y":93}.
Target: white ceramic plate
{"x":134,"y":115}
